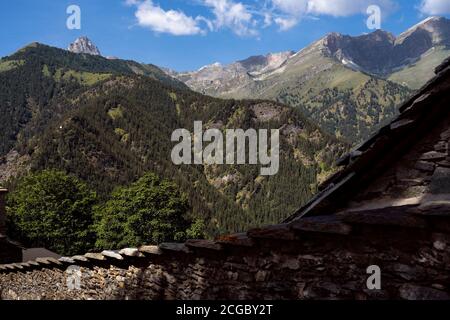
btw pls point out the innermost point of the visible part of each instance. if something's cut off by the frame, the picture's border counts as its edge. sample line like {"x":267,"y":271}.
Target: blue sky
{"x":187,"y":34}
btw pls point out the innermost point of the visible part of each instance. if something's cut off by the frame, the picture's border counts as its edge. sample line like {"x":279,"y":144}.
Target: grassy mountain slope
{"x":83,"y":63}
{"x":350,"y":85}
{"x":348,"y":103}
{"x":417,"y":74}
{"x":95,"y":119}
{"x":37,"y":74}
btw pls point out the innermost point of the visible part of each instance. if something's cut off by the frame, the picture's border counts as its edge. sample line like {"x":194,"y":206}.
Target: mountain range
{"x":108,"y":122}
{"x":349,"y":85}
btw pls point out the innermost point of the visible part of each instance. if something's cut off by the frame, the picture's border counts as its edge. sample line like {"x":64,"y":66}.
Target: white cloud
{"x":132,"y":2}
{"x":226,"y":14}
{"x":245,"y":20}
{"x":293,"y":7}
{"x":435,"y":7}
{"x":292,"y":11}
{"x":343,"y":8}
{"x":172,"y":21}
{"x":286,"y":23}
{"x":335,"y":8}
{"x":289,"y":12}
{"x":232,"y":15}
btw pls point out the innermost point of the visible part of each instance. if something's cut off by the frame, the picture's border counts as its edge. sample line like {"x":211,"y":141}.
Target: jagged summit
{"x":381,"y":53}
{"x":318,"y":78}
{"x":434,"y":29}
{"x":84,"y":45}
{"x":427,"y":21}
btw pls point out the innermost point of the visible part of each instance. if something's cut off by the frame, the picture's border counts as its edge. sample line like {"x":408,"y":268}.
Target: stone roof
{"x":300,"y":231}
{"x":34,"y":253}
{"x":367,"y":160}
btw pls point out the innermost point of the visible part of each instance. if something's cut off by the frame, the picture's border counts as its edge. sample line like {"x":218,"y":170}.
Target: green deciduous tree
{"x":151,"y":210}
{"x":197,"y":230}
{"x":54,"y":210}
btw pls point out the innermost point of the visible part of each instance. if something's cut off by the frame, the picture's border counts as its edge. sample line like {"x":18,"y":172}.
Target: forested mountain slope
{"x":99,"y":120}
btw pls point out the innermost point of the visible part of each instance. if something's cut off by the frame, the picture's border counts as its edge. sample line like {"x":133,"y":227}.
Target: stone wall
{"x":3,"y":193}
{"x":315,"y":258}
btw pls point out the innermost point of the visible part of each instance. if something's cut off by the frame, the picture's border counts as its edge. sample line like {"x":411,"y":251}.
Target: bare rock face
{"x":223,"y":78}
{"x":367,"y":52}
{"x":381,"y":53}
{"x":84,"y":45}
{"x":413,"y":292}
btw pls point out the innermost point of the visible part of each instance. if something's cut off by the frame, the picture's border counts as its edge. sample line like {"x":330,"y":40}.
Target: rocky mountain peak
{"x":381,"y":35}
{"x":265,"y":63}
{"x":434,"y":29}
{"x":279,"y":58}
{"x":84,"y":45}
{"x":380,"y":52}
{"x":333,"y":36}
{"x":430,"y":21}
